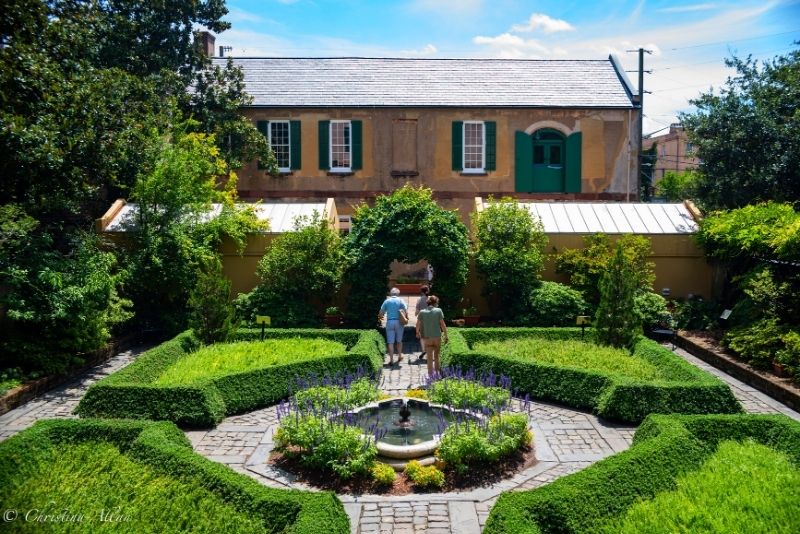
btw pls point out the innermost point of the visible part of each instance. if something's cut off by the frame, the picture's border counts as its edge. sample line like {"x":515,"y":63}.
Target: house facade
{"x":674,"y":152}
{"x":353,"y":128}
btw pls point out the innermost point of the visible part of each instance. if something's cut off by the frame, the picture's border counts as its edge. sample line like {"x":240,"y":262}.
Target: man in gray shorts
{"x":391,"y":308}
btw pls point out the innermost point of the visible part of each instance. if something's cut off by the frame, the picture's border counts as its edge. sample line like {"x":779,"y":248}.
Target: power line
{"x":681,"y":65}
{"x":734,"y":40}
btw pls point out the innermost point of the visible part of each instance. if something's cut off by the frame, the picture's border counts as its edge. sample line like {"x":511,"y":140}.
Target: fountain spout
{"x":405,"y":412}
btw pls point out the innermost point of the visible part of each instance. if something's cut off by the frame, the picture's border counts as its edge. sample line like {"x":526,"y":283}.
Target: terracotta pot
{"x":408,"y":289}
{"x":333,"y":321}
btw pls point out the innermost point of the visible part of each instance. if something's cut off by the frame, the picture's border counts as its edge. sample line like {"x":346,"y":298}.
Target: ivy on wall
{"x":407,"y":226}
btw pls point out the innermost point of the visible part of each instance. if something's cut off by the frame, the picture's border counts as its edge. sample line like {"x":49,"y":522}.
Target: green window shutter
{"x":491,"y":145}
{"x":294,"y":137}
{"x":324,"y":135}
{"x":523,"y":163}
{"x":458,"y":142}
{"x":263,"y":127}
{"x":572,"y":164}
{"x":355,"y":134}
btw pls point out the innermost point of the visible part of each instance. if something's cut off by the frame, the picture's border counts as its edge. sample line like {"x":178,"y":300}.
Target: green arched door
{"x":548,"y":161}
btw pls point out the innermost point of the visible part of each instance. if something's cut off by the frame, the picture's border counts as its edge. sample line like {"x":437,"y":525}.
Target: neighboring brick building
{"x":674,"y":152}
{"x":352,"y":128}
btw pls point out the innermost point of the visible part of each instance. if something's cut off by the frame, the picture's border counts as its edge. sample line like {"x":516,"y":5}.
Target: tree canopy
{"x":748,"y":136}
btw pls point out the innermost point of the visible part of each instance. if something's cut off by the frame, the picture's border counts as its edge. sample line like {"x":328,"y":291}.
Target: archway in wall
{"x":547,"y":161}
{"x":407,"y":226}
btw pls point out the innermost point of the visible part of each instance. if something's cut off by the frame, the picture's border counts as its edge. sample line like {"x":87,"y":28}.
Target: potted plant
{"x":333,"y":317}
{"x":470,"y":315}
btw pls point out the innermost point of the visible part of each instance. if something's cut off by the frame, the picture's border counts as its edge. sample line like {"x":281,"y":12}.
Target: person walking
{"x":432,"y":331}
{"x":393,"y":307}
{"x":422,"y":303}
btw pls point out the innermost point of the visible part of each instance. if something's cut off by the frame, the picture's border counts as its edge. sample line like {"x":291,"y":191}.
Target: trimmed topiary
{"x":133,"y":392}
{"x":665,"y":448}
{"x":158,"y":450}
{"x":682,"y":388}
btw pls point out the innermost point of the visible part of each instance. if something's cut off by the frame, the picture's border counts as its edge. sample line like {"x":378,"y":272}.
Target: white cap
{"x":394,"y":292}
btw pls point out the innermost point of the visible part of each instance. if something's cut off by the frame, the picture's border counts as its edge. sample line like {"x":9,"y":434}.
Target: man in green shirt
{"x":432,"y":330}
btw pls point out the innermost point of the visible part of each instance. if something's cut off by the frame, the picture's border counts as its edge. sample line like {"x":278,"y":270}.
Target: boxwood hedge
{"x":162,"y":447}
{"x":132,"y":392}
{"x":665,"y":447}
{"x":686,"y":389}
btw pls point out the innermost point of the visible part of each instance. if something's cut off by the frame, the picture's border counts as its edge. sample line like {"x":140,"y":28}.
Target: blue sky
{"x":689,"y":39}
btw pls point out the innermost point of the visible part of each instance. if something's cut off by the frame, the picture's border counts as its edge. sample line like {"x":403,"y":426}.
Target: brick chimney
{"x":205,"y":40}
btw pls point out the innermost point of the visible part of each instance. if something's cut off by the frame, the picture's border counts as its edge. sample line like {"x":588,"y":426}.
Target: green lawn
{"x":68,"y":488}
{"x":230,"y":358}
{"x":744,"y":488}
{"x":577,"y":354}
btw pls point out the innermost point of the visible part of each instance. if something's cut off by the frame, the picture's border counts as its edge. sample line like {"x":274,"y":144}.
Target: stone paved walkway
{"x":565,"y":441}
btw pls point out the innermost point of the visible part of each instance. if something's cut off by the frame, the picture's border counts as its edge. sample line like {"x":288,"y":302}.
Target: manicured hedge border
{"x":163,"y":447}
{"x":688,"y":390}
{"x":131,"y":392}
{"x":665,"y":447}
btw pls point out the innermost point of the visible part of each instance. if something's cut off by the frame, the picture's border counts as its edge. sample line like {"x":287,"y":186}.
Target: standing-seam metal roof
{"x":281,"y":215}
{"x":612,"y":218}
{"x":392,"y":82}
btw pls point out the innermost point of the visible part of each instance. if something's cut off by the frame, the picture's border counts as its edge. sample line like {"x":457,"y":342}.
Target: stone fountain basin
{"x":415,"y":450}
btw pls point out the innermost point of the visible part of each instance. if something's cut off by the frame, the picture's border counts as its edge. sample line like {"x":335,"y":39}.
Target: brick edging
{"x":27,"y":391}
{"x":742,"y":371}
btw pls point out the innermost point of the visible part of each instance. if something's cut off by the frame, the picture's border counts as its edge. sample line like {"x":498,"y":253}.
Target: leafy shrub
{"x":329,"y":446}
{"x":509,"y":255}
{"x":789,"y":355}
{"x":472,"y":443}
{"x":468,"y":394}
{"x":665,"y":448}
{"x":586,"y":266}
{"x":417,"y":394}
{"x":681,"y":387}
{"x":298,"y":269}
{"x":758,"y":343}
{"x":696,"y":313}
{"x":677,"y":186}
{"x":424,"y":476}
{"x":358,"y":393}
{"x":151,"y":471}
{"x":554,"y":304}
{"x":383,"y":474}
{"x":210,"y":310}
{"x":651,"y":308}
{"x":133,"y":392}
{"x":616,"y":322}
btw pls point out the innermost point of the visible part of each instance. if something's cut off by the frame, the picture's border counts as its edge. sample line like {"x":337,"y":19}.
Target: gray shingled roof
{"x":358,"y":82}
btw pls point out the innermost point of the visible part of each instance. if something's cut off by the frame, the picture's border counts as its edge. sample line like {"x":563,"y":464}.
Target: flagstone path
{"x":565,"y":441}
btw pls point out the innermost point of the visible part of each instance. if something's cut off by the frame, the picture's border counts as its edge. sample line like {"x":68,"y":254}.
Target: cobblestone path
{"x":565,"y":441}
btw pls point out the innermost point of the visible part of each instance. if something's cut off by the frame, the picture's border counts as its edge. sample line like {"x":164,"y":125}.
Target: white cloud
{"x":688,"y":8}
{"x":509,"y":46}
{"x":546,"y":24}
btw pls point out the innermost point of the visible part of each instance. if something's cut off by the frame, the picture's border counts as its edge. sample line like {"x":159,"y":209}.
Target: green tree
{"x":509,"y":255}
{"x":300,"y":273}
{"x":586,"y":266}
{"x":616,"y":321}
{"x":172,"y":233}
{"x":210,"y":308}
{"x":748,"y":136}
{"x":678,"y":186}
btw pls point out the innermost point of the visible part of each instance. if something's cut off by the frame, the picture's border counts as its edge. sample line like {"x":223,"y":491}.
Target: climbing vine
{"x":407,"y":226}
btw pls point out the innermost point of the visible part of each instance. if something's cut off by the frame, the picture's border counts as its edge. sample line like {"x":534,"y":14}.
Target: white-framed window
{"x":689,"y":149}
{"x":280,"y":140}
{"x":341,"y":146}
{"x":474,"y":143}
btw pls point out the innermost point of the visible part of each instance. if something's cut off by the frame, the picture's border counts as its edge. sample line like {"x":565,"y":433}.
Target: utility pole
{"x":641,"y":52}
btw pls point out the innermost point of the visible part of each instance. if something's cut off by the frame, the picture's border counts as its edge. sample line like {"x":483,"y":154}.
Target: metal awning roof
{"x":612,"y":218}
{"x":281,"y":215}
